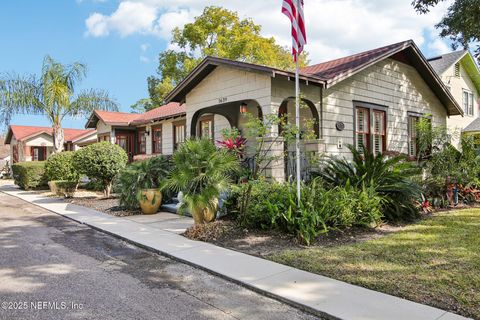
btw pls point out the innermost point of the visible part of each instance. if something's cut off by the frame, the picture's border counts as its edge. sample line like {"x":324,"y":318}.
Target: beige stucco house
{"x":33,"y":143}
{"x":368,"y":99}
{"x":461,"y":75}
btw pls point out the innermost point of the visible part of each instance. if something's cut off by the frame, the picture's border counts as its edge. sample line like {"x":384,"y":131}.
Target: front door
{"x":126,"y":141}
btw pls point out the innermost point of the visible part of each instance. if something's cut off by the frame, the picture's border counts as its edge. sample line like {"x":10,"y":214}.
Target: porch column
{"x":274,"y":146}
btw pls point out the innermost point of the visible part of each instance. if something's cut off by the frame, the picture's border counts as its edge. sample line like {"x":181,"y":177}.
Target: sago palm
{"x":52,"y":94}
{"x":390,"y":177}
{"x":202,"y":172}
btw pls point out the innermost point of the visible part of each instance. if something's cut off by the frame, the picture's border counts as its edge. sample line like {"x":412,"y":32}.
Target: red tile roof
{"x":111,"y":117}
{"x":22,"y":132}
{"x":171,"y":109}
{"x":344,"y":66}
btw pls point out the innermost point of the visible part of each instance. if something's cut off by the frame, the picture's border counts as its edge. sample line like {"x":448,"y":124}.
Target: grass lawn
{"x":435,"y":262}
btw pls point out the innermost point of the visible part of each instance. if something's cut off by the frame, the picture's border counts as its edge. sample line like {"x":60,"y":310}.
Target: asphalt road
{"x":54,"y":268}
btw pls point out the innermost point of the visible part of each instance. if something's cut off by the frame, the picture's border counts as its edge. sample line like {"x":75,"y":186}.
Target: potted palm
{"x":202,"y":172}
{"x":142,"y":182}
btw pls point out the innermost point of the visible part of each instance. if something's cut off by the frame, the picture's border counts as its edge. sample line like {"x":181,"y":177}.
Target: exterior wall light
{"x":243,"y":108}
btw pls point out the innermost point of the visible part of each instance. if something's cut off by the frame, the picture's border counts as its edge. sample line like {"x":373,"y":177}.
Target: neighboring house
{"x":370,"y":99}
{"x":4,"y":153}
{"x":32,"y":143}
{"x":461,"y":75}
{"x":158,"y":131}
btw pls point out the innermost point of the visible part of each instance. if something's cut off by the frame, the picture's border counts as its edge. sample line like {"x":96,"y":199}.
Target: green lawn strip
{"x":435,"y":262}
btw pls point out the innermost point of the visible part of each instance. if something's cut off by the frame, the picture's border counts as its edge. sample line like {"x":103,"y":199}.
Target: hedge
{"x":59,"y":166}
{"x":29,"y":175}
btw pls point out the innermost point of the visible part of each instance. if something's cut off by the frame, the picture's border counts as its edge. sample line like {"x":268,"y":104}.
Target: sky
{"x":119,"y":40}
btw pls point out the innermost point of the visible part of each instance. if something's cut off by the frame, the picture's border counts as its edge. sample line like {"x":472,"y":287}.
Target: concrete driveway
{"x":54,"y":268}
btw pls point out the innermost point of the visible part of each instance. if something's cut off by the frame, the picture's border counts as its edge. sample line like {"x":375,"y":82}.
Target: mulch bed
{"x":97,"y":202}
{"x":227,"y":233}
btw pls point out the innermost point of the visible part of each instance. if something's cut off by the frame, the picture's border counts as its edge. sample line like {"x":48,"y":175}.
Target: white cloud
{"x":144,"y":46}
{"x":334,"y":27}
{"x":144,"y":59}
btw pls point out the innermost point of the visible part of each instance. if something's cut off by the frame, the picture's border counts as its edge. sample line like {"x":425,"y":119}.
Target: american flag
{"x":299,"y":37}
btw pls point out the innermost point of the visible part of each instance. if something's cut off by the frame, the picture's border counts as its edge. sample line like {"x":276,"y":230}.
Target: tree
{"x":217,"y":32}
{"x":52,"y":95}
{"x":461,"y":23}
{"x":101,"y":161}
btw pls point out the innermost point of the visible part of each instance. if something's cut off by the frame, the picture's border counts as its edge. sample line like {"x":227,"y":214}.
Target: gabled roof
{"x":211,"y":63}
{"x":444,"y":62}
{"x":22,"y":133}
{"x":329,"y":73}
{"x":473,"y":127}
{"x":334,"y":71}
{"x":111,"y":118}
{"x":441,"y":63}
{"x":170,"y":110}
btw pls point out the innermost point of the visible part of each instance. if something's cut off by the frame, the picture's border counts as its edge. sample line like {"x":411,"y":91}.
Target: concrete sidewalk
{"x":320,"y":295}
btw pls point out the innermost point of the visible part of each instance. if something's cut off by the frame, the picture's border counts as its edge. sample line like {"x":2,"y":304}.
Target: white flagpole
{"x":297,"y":109}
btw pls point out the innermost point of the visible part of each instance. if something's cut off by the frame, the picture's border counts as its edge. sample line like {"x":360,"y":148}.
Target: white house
{"x":372,"y":98}
{"x":460,"y":73}
{"x":33,"y":143}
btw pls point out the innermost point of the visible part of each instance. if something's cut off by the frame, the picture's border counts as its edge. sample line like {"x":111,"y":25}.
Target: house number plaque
{"x":222,"y":100}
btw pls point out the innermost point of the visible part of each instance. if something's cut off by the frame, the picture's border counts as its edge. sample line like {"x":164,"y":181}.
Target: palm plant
{"x":390,"y":177}
{"x":202,"y":172}
{"x":147,"y":174}
{"x":52,"y":95}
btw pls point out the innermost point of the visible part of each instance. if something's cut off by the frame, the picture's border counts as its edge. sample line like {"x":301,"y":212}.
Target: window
{"x":378,"y":131}
{"x":39,"y":153}
{"x":142,"y":142}
{"x":363,"y":128}
{"x":468,"y":102}
{"x":206,"y":128}
{"x":157,"y":140}
{"x":178,"y":134}
{"x":412,"y":135}
{"x":370,"y":130}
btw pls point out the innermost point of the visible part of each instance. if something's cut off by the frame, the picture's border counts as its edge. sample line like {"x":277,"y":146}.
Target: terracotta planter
{"x":150,"y":200}
{"x":209,"y":214}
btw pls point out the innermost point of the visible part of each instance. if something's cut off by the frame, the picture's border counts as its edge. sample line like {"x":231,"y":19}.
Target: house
{"x":370,"y":99}
{"x":33,"y":143}
{"x":460,"y":73}
{"x":158,"y":131}
{"x":4,"y":153}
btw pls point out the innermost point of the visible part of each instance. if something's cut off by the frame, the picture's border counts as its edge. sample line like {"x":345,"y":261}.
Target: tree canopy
{"x":52,"y":94}
{"x":217,"y":32}
{"x":461,"y":23}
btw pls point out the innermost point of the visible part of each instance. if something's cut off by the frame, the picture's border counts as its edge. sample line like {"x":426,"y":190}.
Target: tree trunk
{"x":58,"y":138}
{"x":107,"y":190}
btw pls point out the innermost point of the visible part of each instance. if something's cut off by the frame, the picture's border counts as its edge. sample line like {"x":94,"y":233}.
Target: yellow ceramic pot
{"x":209,"y":214}
{"x":150,"y":200}
{"x":198,"y":216}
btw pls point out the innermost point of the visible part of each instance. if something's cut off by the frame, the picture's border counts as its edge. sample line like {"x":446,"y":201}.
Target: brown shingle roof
{"x":346,"y":65}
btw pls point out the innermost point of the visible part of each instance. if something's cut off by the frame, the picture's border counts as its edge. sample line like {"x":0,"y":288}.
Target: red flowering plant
{"x":233,"y":141}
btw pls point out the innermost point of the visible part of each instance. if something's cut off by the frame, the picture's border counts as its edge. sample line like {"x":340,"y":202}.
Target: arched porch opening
{"x":225,"y":115}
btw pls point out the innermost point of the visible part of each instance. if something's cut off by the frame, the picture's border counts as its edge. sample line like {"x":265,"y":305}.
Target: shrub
{"x":146,"y":174}
{"x":275,"y":206}
{"x":391,"y":178}
{"x":66,"y":188}
{"x":59,"y":166}
{"x":202,"y":172}
{"x":29,"y":175}
{"x":101,"y":161}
